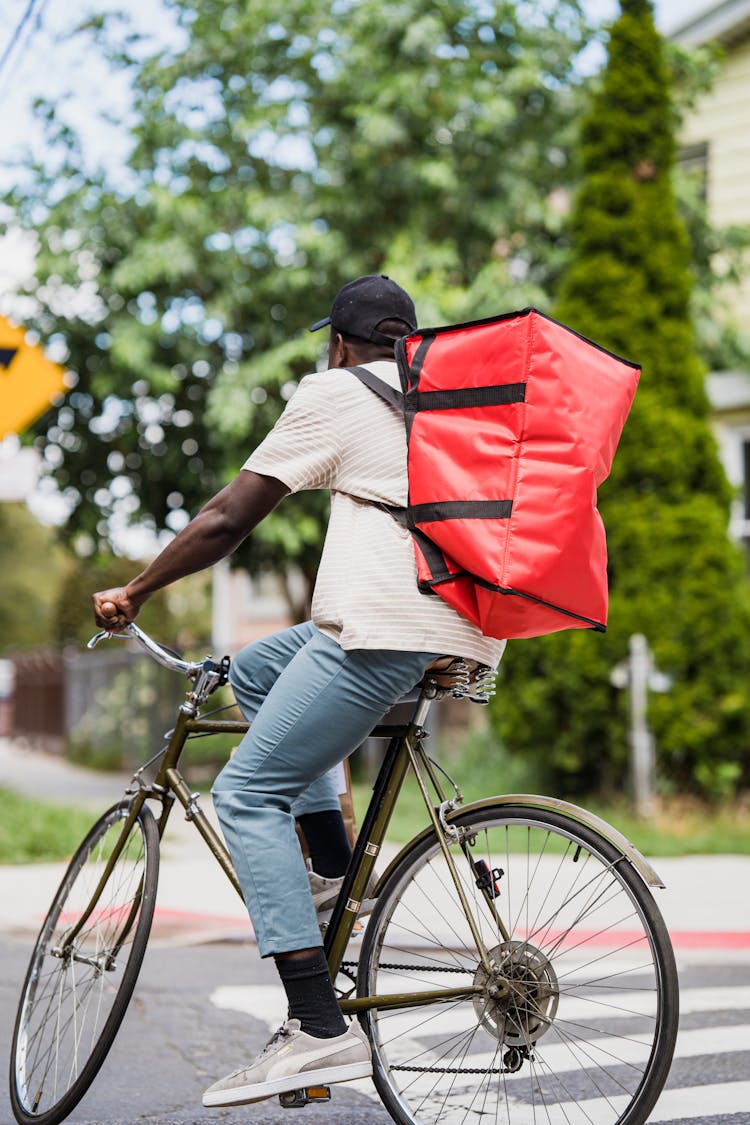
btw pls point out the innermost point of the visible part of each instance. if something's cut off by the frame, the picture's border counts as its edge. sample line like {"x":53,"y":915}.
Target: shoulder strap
{"x":393,"y":397}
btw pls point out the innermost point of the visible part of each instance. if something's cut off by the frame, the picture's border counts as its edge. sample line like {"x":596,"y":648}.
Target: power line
{"x":33,"y":8}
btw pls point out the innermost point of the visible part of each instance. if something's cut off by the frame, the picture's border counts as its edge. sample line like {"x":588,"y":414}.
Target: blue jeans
{"x":310,"y":704}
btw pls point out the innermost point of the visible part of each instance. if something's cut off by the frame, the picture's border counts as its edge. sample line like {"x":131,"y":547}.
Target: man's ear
{"x":337,"y":350}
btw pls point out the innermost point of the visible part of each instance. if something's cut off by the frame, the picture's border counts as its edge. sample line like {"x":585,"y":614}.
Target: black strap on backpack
{"x":382,"y":389}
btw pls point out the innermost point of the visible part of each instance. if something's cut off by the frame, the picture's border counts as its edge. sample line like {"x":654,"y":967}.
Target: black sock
{"x":311,"y":996}
{"x":327,"y":842}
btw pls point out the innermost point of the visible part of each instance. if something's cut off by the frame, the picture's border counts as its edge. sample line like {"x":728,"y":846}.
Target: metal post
{"x":223,"y":613}
{"x":641,"y":740}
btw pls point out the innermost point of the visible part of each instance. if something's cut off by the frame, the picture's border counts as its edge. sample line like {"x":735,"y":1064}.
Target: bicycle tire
{"x":71,"y":1006}
{"x":587,"y":1033}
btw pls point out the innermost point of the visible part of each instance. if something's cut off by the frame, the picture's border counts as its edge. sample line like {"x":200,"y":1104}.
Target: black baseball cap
{"x":360,"y":306}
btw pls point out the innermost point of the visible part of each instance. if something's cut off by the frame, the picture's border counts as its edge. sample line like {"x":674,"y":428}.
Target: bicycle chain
{"x":452,"y":1069}
{"x":432,"y":1069}
{"x":410,"y":968}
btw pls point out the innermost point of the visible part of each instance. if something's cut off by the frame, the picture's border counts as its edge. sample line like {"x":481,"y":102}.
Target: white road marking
{"x":268,"y":1004}
{"x":690,"y":1102}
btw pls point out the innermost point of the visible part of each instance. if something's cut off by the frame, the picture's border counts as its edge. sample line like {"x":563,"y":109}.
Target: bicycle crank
{"x":518,"y":1002}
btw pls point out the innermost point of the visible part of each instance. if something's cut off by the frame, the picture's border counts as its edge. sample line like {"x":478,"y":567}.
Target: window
{"x":734,"y":450}
{"x":693,"y":163}
{"x":745,"y":531}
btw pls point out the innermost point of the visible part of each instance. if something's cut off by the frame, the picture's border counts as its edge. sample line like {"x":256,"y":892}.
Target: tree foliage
{"x":276,"y":153}
{"x":72,"y":619}
{"x":31,"y":563}
{"x":674,"y":575}
{"x":46,"y":591}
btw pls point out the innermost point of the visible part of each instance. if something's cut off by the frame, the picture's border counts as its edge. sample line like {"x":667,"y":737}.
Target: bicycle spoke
{"x":80,"y":980}
{"x":564,"y":1030}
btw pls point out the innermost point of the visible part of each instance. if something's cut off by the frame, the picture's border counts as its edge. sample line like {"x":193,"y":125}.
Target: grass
{"x":680,"y":826}
{"x":34,"y":831}
{"x":683,"y":826}
{"x":37,"y":832}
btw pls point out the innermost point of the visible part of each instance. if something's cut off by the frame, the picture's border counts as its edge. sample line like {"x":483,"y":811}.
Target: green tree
{"x":674,"y":575}
{"x":45,"y":596}
{"x":32,"y":563}
{"x":73,"y":622}
{"x":279,"y":151}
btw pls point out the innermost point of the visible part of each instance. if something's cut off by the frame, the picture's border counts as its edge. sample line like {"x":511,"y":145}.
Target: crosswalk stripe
{"x":701,"y":1101}
{"x":692,"y":1103}
{"x":714,"y":999}
{"x":265,"y":1002}
{"x":268,"y":1003}
{"x":712,"y":1041}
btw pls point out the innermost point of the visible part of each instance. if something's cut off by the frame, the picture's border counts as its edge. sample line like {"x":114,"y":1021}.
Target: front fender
{"x":624,"y":846}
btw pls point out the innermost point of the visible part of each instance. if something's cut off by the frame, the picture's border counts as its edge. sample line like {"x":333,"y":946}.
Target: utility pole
{"x":639,"y":674}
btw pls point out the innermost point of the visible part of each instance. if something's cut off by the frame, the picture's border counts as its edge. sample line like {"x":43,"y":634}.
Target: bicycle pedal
{"x":294,"y":1099}
{"x":324,"y":918}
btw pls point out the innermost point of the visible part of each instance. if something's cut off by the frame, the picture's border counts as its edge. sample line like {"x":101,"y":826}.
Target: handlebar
{"x":156,"y":651}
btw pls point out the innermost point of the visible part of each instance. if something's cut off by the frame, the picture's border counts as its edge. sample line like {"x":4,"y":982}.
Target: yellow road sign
{"x":29,"y":382}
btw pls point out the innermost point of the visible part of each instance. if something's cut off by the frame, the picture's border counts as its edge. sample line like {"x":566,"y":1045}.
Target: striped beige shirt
{"x":336,"y":434}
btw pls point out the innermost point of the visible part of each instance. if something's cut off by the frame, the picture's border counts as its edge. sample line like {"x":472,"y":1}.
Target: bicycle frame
{"x":405,"y":751}
{"x":538,"y":912}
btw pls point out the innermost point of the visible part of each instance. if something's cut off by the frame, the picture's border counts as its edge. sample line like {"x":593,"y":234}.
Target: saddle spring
{"x":464,"y":680}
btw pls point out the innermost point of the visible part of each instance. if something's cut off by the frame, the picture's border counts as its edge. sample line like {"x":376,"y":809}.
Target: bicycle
{"x":514,"y":965}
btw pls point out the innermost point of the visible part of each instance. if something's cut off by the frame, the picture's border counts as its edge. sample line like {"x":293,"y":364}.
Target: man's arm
{"x":216,"y":531}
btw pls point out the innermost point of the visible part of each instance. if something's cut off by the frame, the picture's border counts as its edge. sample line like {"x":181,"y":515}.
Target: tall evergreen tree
{"x":674,"y":575}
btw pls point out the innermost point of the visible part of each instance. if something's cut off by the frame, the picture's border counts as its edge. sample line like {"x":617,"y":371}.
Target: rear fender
{"x":532,"y":801}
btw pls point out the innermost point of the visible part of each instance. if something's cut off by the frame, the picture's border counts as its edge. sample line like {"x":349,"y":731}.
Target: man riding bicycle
{"x":314,"y":692}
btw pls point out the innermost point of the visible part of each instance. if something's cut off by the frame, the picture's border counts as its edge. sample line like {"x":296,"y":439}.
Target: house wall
{"x":722,"y":120}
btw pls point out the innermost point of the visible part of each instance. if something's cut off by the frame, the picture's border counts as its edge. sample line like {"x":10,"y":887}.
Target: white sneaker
{"x":325,"y":891}
{"x":292,"y":1060}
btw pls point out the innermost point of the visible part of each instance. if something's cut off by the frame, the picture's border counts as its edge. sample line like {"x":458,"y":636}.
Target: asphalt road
{"x":200,"y":1011}
{"x":174,"y":1042}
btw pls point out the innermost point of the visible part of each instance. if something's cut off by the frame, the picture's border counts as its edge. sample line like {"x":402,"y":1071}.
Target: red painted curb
{"x":681,"y":939}
{"x":710,"y":939}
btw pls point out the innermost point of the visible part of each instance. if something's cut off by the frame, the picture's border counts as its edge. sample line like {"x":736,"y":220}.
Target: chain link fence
{"x":108,"y":709}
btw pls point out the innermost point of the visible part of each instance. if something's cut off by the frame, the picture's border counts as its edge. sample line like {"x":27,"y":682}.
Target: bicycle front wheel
{"x":76,"y":992}
{"x":576,"y":1019}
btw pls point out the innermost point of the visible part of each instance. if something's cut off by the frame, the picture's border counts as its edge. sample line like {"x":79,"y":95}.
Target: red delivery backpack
{"x":511,"y":425}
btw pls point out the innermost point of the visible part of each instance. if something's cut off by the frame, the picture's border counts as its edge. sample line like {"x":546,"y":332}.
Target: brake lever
{"x":106,"y":633}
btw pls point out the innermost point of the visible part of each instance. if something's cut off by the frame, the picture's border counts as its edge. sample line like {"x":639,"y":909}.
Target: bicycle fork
{"x":104,"y":961}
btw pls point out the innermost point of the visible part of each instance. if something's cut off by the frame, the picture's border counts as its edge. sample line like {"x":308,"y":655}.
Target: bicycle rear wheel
{"x":75,"y":994}
{"x":586,"y":1032}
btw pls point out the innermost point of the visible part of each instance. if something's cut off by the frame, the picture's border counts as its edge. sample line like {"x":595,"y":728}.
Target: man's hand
{"x":114,"y":609}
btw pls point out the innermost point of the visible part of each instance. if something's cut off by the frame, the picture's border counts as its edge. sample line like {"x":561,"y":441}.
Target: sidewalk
{"x":706,"y":904}
{"x":195,"y":900}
